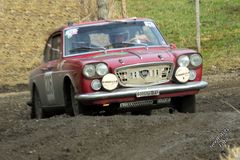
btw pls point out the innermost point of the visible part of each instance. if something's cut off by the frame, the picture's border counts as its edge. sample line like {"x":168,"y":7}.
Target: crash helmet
{"x":118,"y":36}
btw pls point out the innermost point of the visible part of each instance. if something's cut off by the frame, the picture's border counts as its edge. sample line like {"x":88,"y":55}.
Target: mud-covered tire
{"x":37,"y":110}
{"x":186,"y":104}
{"x":73,"y":107}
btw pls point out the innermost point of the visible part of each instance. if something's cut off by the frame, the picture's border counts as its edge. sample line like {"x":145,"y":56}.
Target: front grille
{"x":144,"y":74}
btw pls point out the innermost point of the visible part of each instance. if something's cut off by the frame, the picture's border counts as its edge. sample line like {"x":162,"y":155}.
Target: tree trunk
{"x":102,"y":9}
{"x":124,"y":9}
{"x":198,"y":32}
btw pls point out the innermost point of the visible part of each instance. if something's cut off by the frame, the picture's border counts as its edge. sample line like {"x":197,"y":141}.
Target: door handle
{"x":44,"y":69}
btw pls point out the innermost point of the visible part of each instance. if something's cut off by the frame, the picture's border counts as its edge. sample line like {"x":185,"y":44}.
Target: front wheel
{"x":73,"y":107}
{"x":37,"y":110}
{"x":186,"y":104}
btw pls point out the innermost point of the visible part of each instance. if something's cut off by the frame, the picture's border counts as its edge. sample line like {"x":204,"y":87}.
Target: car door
{"x":40,"y":76}
{"x":52,"y":74}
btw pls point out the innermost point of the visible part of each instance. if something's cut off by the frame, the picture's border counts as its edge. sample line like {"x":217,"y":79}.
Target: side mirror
{"x":173,"y":46}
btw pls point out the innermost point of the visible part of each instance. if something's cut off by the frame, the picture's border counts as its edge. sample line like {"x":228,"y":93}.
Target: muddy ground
{"x":163,"y":136}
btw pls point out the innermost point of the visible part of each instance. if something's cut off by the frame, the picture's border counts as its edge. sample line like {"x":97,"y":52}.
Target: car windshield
{"x":113,"y":35}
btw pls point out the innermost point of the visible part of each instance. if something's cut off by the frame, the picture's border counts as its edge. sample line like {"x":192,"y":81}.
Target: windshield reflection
{"x":112,"y":35}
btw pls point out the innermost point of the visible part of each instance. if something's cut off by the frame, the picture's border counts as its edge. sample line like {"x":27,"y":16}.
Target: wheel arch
{"x":68,"y":79}
{"x":33,"y":88}
{"x":67,"y":82}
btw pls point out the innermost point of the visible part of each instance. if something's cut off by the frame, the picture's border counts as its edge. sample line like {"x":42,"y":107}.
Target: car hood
{"x":115,"y":59}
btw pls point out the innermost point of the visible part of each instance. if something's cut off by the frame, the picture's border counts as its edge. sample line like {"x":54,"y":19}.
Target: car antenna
{"x":70,"y":23}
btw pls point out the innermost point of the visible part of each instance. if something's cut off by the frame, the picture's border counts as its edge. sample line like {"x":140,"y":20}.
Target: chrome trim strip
{"x":53,"y":72}
{"x":131,"y":92}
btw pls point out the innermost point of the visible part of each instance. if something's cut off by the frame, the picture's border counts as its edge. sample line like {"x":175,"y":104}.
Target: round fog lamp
{"x":109,"y":82}
{"x":182,"y":74}
{"x":96,"y":85}
{"x":192,"y":75}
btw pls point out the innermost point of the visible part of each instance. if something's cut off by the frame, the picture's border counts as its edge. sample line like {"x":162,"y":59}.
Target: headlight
{"x":101,"y":69}
{"x":89,"y":70}
{"x":196,"y":60}
{"x":183,"y":61}
{"x":96,"y":84}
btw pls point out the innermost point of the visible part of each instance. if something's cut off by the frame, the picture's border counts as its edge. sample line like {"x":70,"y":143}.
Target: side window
{"x":46,"y":54}
{"x":56,"y":47}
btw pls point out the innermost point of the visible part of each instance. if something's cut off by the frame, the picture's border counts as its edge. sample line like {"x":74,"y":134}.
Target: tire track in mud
{"x":160,"y":136}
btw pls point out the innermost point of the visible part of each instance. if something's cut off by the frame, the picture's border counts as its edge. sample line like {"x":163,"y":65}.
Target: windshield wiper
{"x":138,"y":44}
{"x":126,"y":44}
{"x":86,"y":48}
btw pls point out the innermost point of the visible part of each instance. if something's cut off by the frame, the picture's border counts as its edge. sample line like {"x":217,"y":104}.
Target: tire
{"x":37,"y":110}
{"x":73,"y":107}
{"x":186,"y":104}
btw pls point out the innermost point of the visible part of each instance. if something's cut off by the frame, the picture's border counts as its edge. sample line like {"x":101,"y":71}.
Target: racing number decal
{"x":48,"y":80}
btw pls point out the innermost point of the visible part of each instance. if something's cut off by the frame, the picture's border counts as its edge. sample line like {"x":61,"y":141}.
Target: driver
{"x":118,"y":36}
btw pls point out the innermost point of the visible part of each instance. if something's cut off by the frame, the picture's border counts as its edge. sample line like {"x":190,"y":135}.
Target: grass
{"x":220,"y":27}
{"x":233,"y":153}
{"x":25,"y":25}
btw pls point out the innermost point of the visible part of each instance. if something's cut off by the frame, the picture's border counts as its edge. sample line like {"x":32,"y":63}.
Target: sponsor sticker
{"x":48,"y":80}
{"x":71,"y":32}
{"x":150,"y":24}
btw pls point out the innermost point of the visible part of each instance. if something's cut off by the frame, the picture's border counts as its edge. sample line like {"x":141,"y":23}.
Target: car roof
{"x":100,"y":22}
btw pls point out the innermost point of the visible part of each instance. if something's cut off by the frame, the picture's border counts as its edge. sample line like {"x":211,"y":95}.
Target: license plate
{"x":147,"y":93}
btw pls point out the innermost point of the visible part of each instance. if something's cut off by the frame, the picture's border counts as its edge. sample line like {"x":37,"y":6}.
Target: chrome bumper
{"x":129,"y":92}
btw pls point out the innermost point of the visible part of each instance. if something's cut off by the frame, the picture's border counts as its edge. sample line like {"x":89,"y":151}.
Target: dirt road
{"x":159,"y":136}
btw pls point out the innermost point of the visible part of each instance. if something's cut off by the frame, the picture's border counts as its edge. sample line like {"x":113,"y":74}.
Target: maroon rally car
{"x":112,"y":66}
